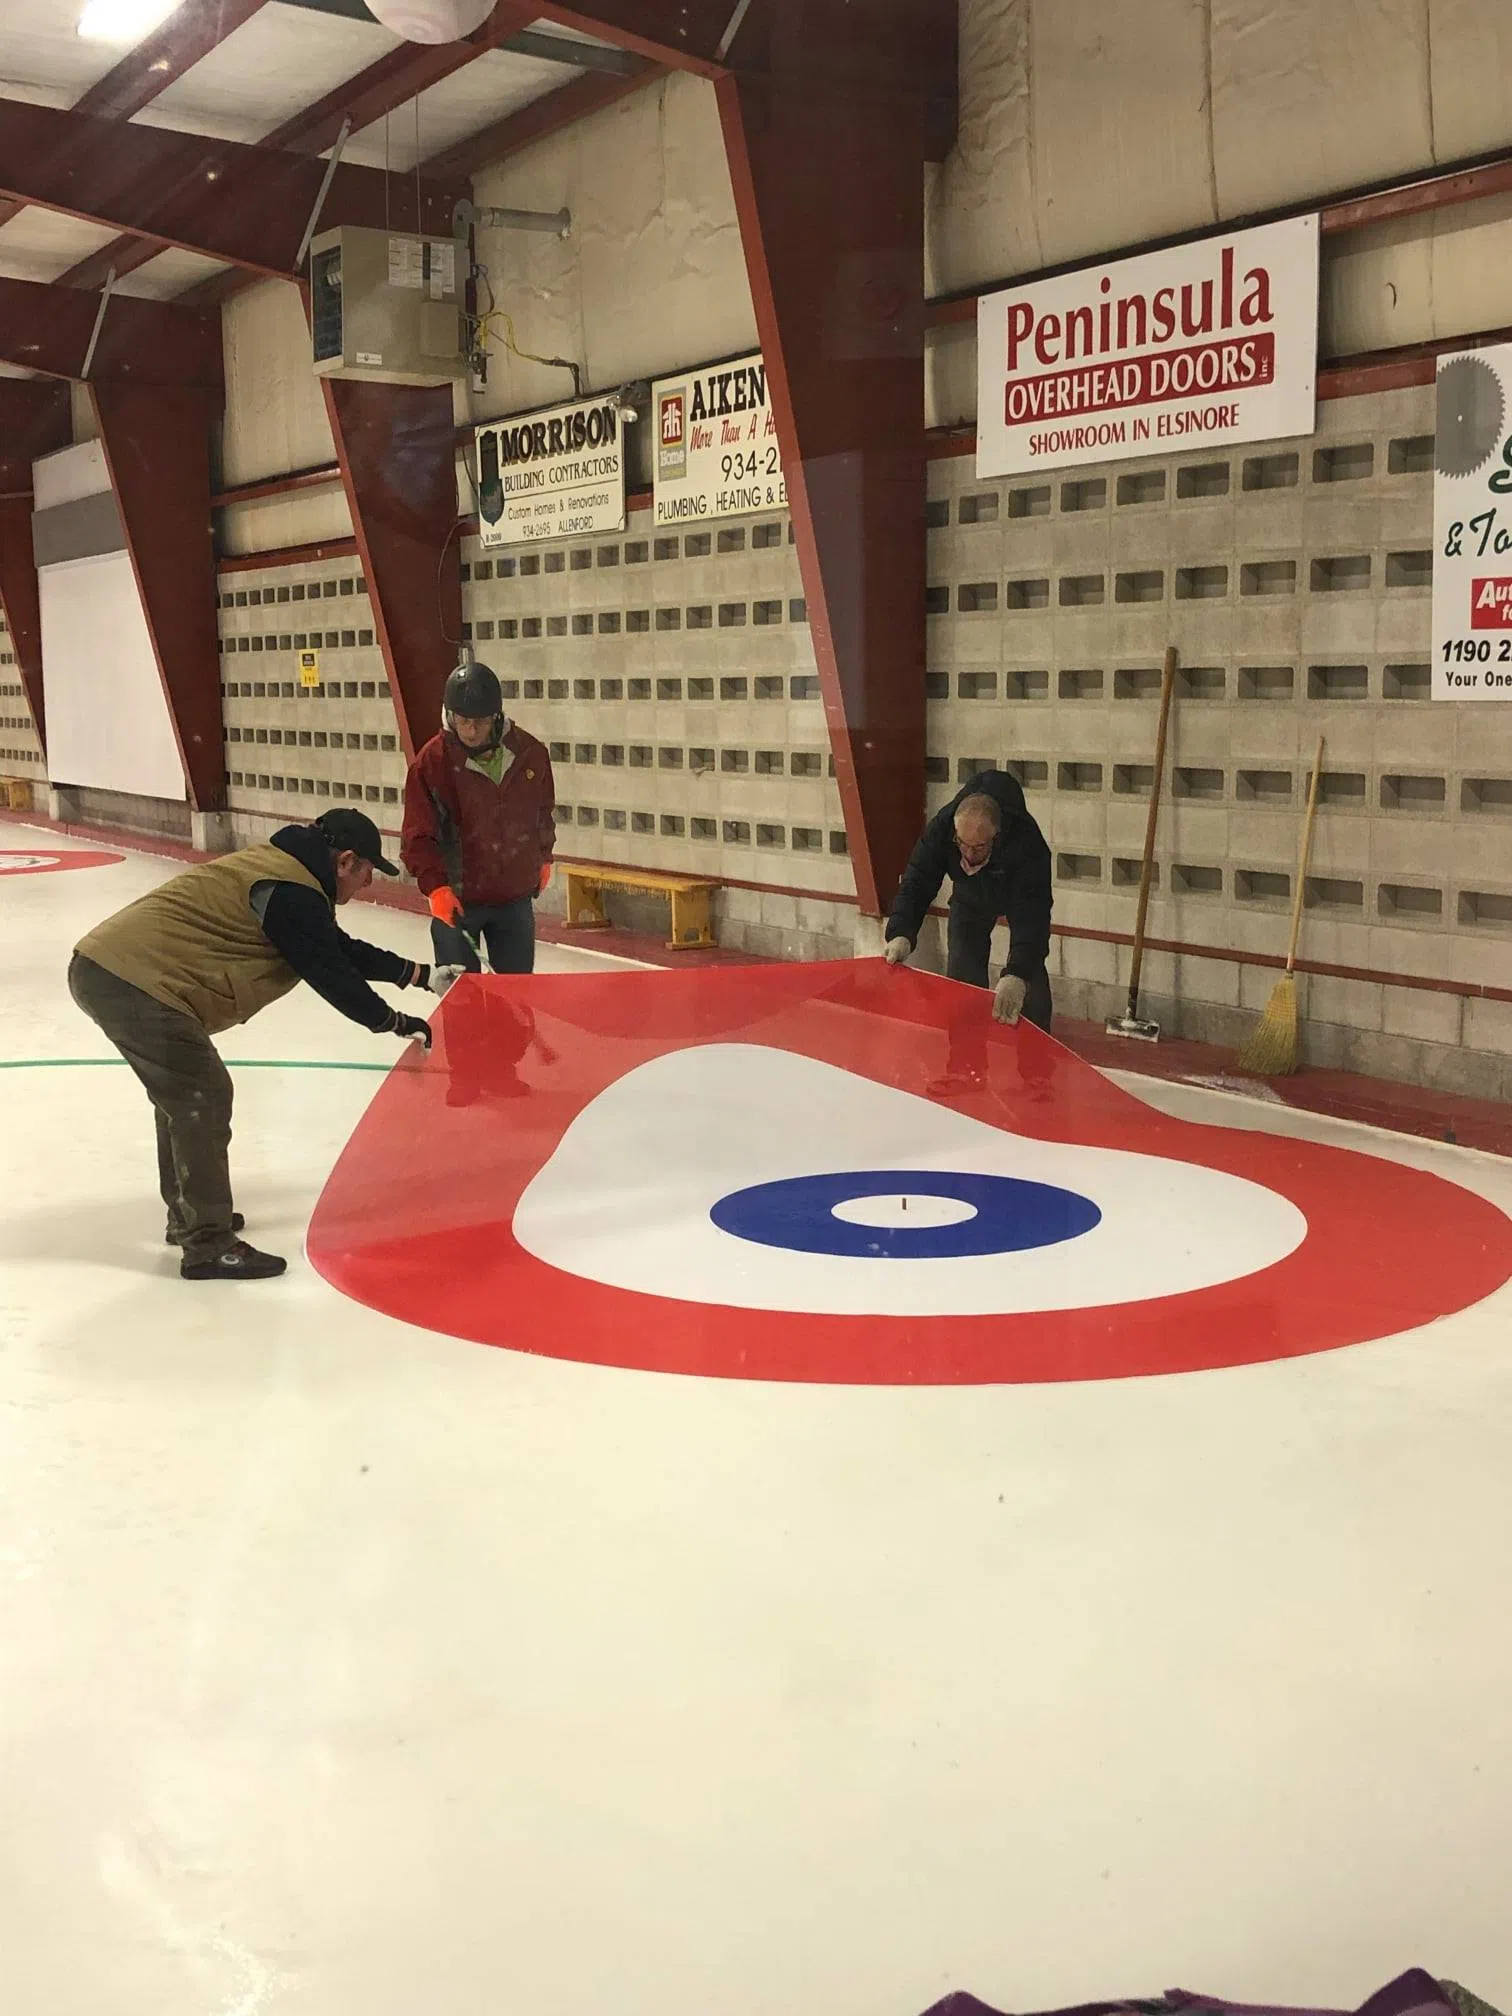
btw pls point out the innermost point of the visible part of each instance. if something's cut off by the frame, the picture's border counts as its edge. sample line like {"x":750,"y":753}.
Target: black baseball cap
{"x":351,"y":831}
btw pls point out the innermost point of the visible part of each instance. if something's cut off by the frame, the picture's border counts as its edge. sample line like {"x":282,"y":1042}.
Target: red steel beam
{"x":682,"y":33}
{"x":390,"y":82}
{"x":48,"y":329}
{"x":1414,"y":199}
{"x":157,"y":447}
{"x":190,"y":32}
{"x":838,"y":291}
{"x":324,"y":477}
{"x":246,"y":205}
{"x":287,"y":556}
{"x":399,"y":469}
{"x":35,"y":419}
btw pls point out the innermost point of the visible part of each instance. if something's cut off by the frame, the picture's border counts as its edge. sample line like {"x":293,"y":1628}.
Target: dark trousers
{"x":968,"y":945}
{"x":507,"y":929}
{"x":190,"y":1089}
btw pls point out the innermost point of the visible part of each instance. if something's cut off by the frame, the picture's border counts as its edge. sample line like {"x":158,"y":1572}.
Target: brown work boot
{"x":240,"y":1262}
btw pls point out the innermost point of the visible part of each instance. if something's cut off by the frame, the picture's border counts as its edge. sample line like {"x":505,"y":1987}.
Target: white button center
{"x":896,"y":1211}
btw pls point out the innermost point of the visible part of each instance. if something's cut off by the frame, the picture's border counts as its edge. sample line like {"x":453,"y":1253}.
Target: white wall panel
{"x":1424,"y":278}
{"x":108,"y":725}
{"x":1310,"y":99}
{"x":1471,"y":47}
{"x":69,"y":474}
{"x":1120,"y":120}
{"x":981,"y":220}
{"x":1091,"y":124}
{"x":275,"y":409}
{"x":277,"y":522}
{"x":653,"y":275}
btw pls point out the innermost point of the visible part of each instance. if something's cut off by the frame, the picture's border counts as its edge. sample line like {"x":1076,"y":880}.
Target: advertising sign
{"x":548,"y":475}
{"x":1472,"y":527}
{"x":1199,"y":346}
{"x":716,"y":444}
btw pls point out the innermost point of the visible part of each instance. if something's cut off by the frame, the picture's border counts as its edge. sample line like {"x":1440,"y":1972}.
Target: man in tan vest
{"x":208,"y":950}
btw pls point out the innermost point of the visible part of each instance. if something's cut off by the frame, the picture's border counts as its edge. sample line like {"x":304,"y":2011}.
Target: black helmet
{"x":472,"y":690}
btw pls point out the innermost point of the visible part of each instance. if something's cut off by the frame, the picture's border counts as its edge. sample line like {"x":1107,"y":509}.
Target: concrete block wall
{"x":20,"y":751}
{"x":291,"y":752}
{"x":672,"y":677}
{"x":1294,"y":578}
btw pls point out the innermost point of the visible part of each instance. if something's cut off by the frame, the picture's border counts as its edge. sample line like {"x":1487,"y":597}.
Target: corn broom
{"x":1271,"y":1051}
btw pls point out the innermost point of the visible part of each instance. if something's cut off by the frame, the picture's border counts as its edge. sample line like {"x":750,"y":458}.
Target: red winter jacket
{"x":487,"y":841}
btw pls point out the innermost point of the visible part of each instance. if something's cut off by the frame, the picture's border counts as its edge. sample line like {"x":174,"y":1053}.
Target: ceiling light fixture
{"x":431,"y":20}
{"x":123,"y":20}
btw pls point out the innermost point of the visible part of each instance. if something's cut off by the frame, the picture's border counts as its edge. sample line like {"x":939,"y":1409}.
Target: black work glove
{"x":412,"y":1027}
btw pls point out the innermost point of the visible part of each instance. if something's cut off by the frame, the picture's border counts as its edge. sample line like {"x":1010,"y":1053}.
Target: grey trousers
{"x":190,"y":1089}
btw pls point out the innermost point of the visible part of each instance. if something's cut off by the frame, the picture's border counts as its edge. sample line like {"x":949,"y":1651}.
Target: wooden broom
{"x":1131,"y":1022}
{"x":1271,"y":1051}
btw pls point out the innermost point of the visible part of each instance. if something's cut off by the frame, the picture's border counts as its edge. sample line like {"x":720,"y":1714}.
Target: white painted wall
{"x":275,"y":422}
{"x":108,"y":725}
{"x":653,"y":276}
{"x":1090,"y":124}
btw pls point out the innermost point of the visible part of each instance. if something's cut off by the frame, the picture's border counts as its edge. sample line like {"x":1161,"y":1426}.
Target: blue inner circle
{"x":1012,"y":1216}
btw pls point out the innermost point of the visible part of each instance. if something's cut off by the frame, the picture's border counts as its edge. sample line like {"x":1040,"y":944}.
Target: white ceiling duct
{"x":431,"y":20}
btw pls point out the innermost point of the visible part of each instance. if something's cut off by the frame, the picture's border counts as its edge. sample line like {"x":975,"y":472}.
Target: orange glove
{"x":541,"y":886}
{"x":446,"y":906}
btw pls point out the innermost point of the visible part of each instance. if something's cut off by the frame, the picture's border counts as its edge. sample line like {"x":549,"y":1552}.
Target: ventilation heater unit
{"x":386,"y":306}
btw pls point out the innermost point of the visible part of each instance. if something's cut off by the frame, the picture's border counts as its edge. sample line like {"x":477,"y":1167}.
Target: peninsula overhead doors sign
{"x":1199,"y":346}
{"x":716,"y":444}
{"x":548,"y":475}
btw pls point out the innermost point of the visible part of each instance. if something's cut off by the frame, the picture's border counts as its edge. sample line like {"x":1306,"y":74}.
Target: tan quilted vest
{"x":195,"y":944}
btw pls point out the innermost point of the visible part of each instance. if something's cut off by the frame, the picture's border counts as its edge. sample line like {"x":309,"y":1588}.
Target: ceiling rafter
{"x":145,"y":72}
{"x":48,"y":329}
{"x":685,"y":34}
{"x":220,"y":198}
{"x":381,"y":88}
{"x":537,"y":121}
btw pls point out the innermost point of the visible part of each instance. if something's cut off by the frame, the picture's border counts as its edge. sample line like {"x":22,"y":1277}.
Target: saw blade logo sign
{"x":1468,"y":421}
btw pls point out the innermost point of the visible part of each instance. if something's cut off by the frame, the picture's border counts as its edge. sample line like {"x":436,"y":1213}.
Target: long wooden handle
{"x":1304,"y":857}
{"x":1167,"y":688}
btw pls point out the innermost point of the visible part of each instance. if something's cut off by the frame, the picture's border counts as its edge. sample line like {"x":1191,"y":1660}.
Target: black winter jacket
{"x":303,"y":927}
{"x":1014,"y":885}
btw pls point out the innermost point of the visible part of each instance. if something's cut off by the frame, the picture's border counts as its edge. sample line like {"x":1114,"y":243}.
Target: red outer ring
{"x":76,"y":857}
{"x":415,"y":1219}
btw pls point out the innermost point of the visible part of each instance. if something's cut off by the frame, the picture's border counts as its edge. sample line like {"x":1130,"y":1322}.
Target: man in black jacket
{"x":208,"y":950}
{"x":987,"y":842}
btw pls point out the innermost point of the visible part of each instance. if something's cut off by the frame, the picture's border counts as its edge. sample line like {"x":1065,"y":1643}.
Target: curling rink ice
{"x":630,"y":1567}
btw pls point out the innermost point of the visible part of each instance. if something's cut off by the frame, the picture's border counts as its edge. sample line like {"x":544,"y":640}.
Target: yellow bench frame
{"x":688,"y":894}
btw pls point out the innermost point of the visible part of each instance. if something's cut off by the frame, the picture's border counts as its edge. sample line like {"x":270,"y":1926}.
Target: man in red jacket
{"x":479,"y":827}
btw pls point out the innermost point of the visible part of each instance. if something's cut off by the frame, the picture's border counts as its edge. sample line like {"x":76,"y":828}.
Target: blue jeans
{"x":506,"y":929}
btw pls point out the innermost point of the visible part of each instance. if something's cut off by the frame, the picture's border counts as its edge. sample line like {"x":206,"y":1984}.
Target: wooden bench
{"x":688,"y":894}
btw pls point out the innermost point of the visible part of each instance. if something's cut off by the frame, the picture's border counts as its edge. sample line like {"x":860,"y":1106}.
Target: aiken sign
{"x":1202,"y":345}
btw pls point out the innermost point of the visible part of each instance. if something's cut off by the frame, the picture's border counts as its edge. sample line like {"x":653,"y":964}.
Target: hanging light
{"x":431,"y":20}
{"x":123,"y":20}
